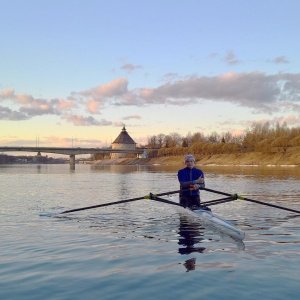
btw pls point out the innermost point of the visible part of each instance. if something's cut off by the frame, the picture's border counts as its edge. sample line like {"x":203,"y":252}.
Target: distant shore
{"x":250,"y":159}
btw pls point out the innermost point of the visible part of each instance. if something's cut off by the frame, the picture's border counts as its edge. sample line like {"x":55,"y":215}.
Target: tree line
{"x":260,"y":137}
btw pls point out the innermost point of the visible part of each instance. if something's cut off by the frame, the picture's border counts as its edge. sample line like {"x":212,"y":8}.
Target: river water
{"x":145,"y":249}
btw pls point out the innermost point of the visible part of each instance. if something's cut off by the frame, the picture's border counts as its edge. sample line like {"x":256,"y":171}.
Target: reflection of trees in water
{"x":190,"y":233}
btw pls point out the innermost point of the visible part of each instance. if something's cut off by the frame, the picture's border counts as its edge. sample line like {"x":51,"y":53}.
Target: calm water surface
{"x":145,"y":249}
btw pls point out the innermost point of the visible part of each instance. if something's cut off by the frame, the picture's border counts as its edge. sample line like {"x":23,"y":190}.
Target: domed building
{"x":123,"y":141}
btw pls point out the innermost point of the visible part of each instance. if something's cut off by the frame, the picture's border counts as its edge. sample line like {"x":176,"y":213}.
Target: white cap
{"x":189,"y":156}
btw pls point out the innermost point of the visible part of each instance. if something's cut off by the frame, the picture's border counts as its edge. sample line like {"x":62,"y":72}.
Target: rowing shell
{"x":216,"y":222}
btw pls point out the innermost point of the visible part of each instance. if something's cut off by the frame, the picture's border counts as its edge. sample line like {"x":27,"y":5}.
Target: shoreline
{"x":239,"y":159}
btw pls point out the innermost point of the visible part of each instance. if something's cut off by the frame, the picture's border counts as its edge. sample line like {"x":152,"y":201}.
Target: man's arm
{"x":186,"y":184}
{"x":183,"y":179}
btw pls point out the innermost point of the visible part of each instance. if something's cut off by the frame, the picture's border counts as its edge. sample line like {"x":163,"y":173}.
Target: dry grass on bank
{"x":253,"y":158}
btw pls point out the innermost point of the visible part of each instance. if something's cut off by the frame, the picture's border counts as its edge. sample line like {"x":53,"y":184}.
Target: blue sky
{"x":74,"y":70}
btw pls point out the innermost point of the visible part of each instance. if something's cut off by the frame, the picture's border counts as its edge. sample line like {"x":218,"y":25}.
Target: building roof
{"x":124,"y":138}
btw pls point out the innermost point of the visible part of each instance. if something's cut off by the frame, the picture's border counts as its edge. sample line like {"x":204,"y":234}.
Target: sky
{"x":74,"y":72}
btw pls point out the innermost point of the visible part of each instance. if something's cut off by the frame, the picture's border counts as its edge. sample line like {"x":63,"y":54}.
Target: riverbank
{"x":251,"y":159}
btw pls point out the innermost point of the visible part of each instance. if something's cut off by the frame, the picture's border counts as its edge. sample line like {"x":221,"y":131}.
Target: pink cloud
{"x":237,"y":132}
{"x":94,"y":106}
{"x":80,"y":120}
{"x":24,"y":99}
{"x":114,"y":88}
{"x":9,"y":93}
{"x":65,"y":104}
{"x":119,"y":124}
{"x":132,"y":117}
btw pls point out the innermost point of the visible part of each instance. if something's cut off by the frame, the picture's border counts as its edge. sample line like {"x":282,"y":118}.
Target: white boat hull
{"x":216,"y":222}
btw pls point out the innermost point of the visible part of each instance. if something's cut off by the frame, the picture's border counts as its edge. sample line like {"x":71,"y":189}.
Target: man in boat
{"x":191,"y":180}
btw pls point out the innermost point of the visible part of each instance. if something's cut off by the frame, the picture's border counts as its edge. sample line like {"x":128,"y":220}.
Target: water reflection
{"x":190,"y":264}
{"x":118,"y":169}
{"x":38,"y":167}
{"x":191,"y":233}
{"x":274,"y":172}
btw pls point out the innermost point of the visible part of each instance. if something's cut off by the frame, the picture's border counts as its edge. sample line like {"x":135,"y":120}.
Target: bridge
{"x":69,"y":151}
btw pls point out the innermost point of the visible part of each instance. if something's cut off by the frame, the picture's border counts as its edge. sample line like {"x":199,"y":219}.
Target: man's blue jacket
{"x":186,"y":177}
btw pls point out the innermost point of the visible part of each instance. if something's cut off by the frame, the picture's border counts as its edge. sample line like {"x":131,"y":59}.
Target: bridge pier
{"x":72,"y":160}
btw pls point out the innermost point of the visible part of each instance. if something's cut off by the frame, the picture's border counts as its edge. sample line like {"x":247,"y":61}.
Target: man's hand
{"x":195,"y":187}
{"x":200,"y":180}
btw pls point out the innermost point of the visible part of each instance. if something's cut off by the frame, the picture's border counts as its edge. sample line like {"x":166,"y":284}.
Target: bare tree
{"x":160,"y":140}
{"x":227,"y":137}
{"x":198,"y":137}
{"x":214,"y":137}
{"x":152,"y":141}
{"x":174,"y":139}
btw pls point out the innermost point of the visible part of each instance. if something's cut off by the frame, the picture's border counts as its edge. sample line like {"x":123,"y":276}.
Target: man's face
{"x":190,"y":163}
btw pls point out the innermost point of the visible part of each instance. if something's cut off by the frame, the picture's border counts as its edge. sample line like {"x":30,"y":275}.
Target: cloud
{"x":6,"y":94}
{"x":170,"y":77}
{"x":291,"y":120}
{"x":254,"y":90}
{"x":9,"y":94}
{"x":288,"y":106}
{"x":132,"y":117}
{"x":38,"y":107}
{"x":115,"y":88}
{"x":63,"y":105}
{"x":130,"y":67}
{"x":94,"y":107}
{"x":230,"y":58}
{"x":71,"y":141}
{"x":263,"y":93}
{"x":280,"y":60}
{"x":237,"y":132}
{"x":79,"y":120}
{"x":30,"y":106}
{"x":213,"y":54}
{"x":119,"y":124}
{"x":8,"y":114}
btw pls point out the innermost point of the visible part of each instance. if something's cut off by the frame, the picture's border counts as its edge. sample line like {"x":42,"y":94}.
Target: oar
{"x":158,"y":199}
{"x":118,"y":202}
{"x":251,"y":200}
{"x":207,"y":203}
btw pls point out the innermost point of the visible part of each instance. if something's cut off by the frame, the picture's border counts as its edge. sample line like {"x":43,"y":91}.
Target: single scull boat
{"x":215,"y":222}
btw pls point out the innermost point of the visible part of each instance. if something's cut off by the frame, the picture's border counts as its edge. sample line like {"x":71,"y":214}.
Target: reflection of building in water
{"x":190,"y":234}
